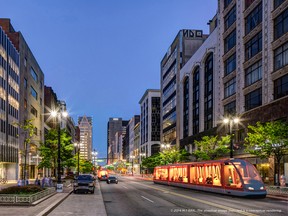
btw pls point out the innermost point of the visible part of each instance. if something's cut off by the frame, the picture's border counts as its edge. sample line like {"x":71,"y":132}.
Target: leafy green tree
{"x":268,"y":139}
{"x":86,"y":166}
{"x":211,"y":147}
{"x":28,"y":129}
{"x":167,"y":156}
{"x":173,"y":155}
{"x":49,"y":150}
{"x":150,"y":162}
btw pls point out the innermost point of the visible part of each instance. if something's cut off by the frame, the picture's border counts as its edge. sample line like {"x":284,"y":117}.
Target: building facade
{"x":150,"y":122}
{"x":113,"y":126}
{"x":86,"y":132}
{"x":249,"y":75}
{"x":9,"y":108}
{"x":31,"y":99}
{"x":182,"y":48}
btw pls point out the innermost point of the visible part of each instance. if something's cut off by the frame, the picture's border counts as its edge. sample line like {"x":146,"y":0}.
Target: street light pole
{"x":58,"y":115}
{"x":231,"y":121}
{"x":59,"y":155}
{"x":78,"y":151}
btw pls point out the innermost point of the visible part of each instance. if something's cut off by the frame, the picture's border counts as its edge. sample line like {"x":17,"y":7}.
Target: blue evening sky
{"x":101,"y":56}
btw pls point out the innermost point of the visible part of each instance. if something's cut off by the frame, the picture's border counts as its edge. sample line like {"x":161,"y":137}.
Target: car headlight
{"x":91,"y":184}
{"x":250,"y":188}
{"x":75,"y":184}
{"x":262,"y":188}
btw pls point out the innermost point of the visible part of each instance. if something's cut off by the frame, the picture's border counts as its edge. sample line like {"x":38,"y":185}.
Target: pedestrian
{"x":43,"y":181}
{"x":37,"y":181}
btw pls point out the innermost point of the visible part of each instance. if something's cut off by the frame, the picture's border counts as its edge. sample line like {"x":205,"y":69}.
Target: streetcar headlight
{"x":250,"y":188}
{"x":262,"y":188}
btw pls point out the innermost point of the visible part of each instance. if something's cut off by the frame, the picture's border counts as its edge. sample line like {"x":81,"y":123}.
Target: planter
{"x":25,"y":199}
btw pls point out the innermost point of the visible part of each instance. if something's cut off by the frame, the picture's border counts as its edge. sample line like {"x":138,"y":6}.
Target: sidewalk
{"x":42,"y":208}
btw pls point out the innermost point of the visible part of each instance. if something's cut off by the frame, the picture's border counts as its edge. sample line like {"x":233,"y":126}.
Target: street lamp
{"x":231,"y":122}
{"x":77,"y":145}
{"x":59,"y":116}
{"x":132,"y":157}
{"x":165,"y":146}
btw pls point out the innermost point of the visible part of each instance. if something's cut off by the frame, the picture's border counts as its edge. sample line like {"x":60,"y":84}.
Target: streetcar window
{"x":248,"y":172}
{"x":231,"y":177}
{"x":161,"y":174}
{"x":213,"y":174}
{"x":178,"y":173}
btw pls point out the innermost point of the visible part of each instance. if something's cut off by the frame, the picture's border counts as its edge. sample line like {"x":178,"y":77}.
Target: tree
{"x":173,"y":155}
{"x":28,"y":129}
{"x":150,"y":162}
{"x":86,"y":166}
{"x":268,"y":139}
{"x":167,"y":156}
{"x":211,"y":147}
{"x":49,"y":150}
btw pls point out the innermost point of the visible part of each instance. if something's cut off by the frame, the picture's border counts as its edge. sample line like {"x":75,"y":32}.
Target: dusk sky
{"x":101,"y":56}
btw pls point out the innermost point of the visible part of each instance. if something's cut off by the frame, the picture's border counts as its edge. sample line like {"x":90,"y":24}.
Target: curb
{"x":51,"y":207}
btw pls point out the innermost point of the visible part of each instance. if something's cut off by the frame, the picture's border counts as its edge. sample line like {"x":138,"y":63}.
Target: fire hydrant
{"x":282,"y":180}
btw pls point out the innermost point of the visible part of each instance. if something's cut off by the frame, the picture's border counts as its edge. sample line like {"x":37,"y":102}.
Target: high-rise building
{"x":86,"y":132}
{"x":150,"y":122}
{"x":31,"y":98}
{"x":113,"y":126}
{"x":241,"y":71}
{"x":9,"y":107}
{"x":182,"y":48}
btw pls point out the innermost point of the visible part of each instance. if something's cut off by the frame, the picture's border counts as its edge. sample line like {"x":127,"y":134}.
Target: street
{"x":132,"y":196}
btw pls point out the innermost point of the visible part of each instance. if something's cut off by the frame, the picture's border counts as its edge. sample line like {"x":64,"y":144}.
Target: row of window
{"x":12,"y":130}
{"x":13,"y":111}
{"x":13,"y":93}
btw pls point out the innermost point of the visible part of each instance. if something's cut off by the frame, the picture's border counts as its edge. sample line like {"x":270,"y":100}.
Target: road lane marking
{"x":202,"y":201}
{"x":147,"y":199}
{"x":124,"y":187}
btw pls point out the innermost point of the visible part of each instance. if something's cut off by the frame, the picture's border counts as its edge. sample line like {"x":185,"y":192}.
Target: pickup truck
{"x":84,"y":183}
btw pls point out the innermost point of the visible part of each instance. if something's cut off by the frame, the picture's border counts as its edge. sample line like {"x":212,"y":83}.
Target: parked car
{"x":112,"y":179}
{"x":84,"y":183}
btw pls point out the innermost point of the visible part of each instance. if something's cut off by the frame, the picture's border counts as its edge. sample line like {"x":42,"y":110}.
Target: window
{"x":196,"y":94}
{"x":253,"y":46}
{"x":33,"y":111}
{"x":253,"y":99}
{"x":277,"y":3}
{"x":230,"y":109}
{"x":281,"y":24}
{"x":208,"y":94}
{"x":281,"y":87}
{"x":230,"y":64}
{"x":34,"y":93}
{"x":248,"y":3}
{"x":281,"y":56}
{"x":253,"y":19}
{"x":230,"y":18}
{"x":34,"y":74}
{"x":253,"y":73}
{"x":230,"y":41}
{"x":230,"y":87}
{"x":186,"y":108}
{"x":226,"y":3}
{"x":25,"y":83}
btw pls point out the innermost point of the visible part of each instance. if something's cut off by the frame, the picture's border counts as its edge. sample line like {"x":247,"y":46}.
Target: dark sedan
{"x":112,"y":179}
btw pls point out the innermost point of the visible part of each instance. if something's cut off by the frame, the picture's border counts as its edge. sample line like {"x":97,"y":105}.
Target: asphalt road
{"x":136,"y":197}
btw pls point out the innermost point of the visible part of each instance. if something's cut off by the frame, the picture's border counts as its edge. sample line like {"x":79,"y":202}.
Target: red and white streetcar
{"x":234,"y":177}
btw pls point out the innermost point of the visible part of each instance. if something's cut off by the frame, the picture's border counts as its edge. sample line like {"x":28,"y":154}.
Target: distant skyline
{"x":101,"y":56}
